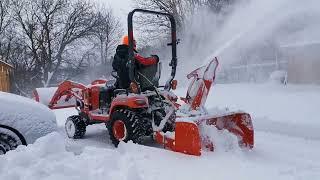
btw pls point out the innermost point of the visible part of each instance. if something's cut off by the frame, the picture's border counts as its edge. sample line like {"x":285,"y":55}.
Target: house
{"x":5,"y":72}
{"x":303,"y":62}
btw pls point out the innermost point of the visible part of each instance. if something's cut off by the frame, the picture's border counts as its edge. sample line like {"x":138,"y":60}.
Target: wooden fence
{"x":5,"y":70}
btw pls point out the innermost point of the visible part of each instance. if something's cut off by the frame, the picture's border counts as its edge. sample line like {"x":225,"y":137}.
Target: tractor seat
{"x":149,"y":76}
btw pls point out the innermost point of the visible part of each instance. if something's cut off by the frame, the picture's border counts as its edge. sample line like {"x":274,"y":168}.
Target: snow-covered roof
{"x":7,"y":64}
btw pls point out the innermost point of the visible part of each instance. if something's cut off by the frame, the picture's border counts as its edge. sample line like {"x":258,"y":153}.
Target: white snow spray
{"x":250,"y":24}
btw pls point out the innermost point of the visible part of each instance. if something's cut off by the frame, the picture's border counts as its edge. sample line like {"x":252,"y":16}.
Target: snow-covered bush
{"x":279,"y":77}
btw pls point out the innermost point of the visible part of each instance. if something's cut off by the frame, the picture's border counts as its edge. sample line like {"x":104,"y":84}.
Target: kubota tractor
{"x":149,"y":109}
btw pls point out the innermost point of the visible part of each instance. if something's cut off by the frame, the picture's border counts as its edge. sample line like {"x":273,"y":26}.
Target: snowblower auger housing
{"x":132,"y":115}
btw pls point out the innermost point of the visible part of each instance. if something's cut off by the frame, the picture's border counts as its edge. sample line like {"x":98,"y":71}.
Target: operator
{"x":120,"y":62}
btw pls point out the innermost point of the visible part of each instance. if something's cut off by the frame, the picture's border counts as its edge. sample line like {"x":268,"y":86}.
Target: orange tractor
{"x":149,"y":109}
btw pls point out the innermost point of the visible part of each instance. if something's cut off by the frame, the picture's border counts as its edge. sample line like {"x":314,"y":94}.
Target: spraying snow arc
{"x":249,"y":26}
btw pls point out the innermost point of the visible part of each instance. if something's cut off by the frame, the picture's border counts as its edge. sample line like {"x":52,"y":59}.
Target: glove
{"x":156,"y":57}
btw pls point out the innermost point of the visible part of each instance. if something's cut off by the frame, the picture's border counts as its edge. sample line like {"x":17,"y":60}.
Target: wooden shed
{"x":5,"y":72}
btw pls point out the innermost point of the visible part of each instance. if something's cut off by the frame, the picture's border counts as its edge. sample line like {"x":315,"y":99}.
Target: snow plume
{"x":250,"y":25}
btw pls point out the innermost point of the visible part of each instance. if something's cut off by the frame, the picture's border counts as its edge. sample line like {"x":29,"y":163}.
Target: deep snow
{"x":275,"y":157}
{"x":278,"y":154}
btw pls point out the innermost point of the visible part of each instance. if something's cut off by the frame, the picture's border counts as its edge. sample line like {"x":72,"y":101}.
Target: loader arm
{"x":68,"y":89}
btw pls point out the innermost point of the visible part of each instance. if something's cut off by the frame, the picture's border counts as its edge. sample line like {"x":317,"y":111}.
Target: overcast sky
{"x":121,"y":8}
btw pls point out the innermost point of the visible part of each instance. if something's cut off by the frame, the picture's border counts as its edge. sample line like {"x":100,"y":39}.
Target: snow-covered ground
{"x":287,"y":143}
{"x":290,"y":109}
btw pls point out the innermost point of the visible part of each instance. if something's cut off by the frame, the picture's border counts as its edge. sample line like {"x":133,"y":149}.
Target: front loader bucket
{"x":238,"y":123}
{"x":186,"y":139}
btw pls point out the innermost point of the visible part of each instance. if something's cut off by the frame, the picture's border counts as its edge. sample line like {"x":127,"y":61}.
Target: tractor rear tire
{"x":75,"y":127}
{"x":126,"y":125}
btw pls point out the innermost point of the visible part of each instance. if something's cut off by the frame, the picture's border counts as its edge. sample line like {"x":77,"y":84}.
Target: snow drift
{"x":49,"y":159}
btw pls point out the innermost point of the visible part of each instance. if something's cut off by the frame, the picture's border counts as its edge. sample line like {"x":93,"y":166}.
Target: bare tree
{"x":218,"y":6}
{"x":106,"y":36}
{"x":50,"y":40}
{"x":50,"y":27}
{"x":107,"y":33}
{"x":11,"y":49}
{"x":182,"y":10}
{"x":5,"y":22}
{"x":154,"y":26}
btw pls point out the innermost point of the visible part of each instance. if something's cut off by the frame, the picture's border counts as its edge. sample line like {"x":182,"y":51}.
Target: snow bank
{"x":275,"y":157}
{"x":47,"y":158}
{"x":31,"y":119}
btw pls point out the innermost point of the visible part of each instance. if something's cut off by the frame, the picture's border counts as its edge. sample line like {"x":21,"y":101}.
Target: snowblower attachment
{"x":200,"y":85}
{"x":188,"y":137}
{"x":237,"y":123}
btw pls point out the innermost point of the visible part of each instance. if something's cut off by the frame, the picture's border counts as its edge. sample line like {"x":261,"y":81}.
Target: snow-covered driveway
{"x":286,"y":146}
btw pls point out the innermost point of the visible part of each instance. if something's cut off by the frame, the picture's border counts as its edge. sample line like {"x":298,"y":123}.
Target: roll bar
{"x":173,"y":44}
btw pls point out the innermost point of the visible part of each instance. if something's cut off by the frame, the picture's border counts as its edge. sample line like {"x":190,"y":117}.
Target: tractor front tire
{"x":126,"y":125}
{"x":75,"y":127}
